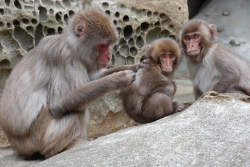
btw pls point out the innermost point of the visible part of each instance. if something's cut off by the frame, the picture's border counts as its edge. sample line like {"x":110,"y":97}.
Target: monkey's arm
{"x":91,"y":91}
{"x":134,"y":67}
{"x":224,"y":85}
{"x":109,"y":71}
{"x":197,"y":93}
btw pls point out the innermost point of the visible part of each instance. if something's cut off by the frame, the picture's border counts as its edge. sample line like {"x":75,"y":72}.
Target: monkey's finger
{"x":144,"y":63}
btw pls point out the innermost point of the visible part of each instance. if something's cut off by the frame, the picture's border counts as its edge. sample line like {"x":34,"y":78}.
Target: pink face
{"x":167,"y":61}
{"x":192,"y":41}
{"x":105,"y":56}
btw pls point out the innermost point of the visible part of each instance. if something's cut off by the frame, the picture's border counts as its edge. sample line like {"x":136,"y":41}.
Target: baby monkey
{"x":150,"y":96}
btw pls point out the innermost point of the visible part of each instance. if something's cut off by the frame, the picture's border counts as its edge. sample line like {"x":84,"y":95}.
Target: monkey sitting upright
{"x":150,"y":96}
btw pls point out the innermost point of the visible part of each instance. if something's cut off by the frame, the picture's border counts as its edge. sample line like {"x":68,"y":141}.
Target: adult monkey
{"x":45,"y":99}
{"x":212,"y":65}
{"x":150,"y":97}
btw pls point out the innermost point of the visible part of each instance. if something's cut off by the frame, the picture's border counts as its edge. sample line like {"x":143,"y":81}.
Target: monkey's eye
{"x":162,"y":55}
{"x":196,"y":36}
{"x":186,"y":38}
{"x":171,"y":56}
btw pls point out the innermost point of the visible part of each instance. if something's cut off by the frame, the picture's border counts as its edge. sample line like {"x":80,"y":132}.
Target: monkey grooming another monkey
{"x":150,"y":96}
{"x":44,"y":105}
{"x":212,"y":65}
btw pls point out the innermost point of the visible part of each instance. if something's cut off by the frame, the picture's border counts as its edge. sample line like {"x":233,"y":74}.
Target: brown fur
{"x":150,"y":97}
{"x":215,"y":67}
{"x":45,"y":99}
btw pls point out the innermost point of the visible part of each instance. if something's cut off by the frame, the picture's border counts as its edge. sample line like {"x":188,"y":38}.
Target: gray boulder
{"x":213,"y":131}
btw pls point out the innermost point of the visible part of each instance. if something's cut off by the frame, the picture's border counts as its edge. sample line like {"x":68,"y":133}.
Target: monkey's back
{"x":150,"y":85}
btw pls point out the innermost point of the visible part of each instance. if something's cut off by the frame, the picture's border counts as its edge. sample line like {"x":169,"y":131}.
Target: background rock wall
{"x":24,"y":22}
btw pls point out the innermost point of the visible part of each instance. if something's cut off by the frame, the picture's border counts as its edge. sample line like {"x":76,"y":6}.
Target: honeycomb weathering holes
{"x":16,"y":23}
{"x":144,"y":26}
{"x":58,"y":17}
{"x":128,"y":32}
{"x":107,"y":12}
{"x":59,"y":30}
{"x":165,"y":33}
{"x":133,"y":51}
{"x":51,"y":11}
{"x":66,"y":18}
{"x":38,"y":34}
{"x":118,"y":30}
{"x":71,"y":13}
{"x":157,"y":24}
{"x":43,"y":13}
{"x":149,"y":14}
{"x":30,"y":29}
{"x":7,"y":2}
{"x":1,"y":11}
{"x":131,"y":42}
{"x":125,"y":18}
{"x":139,"y":42}
{"x":105,"y":5}
{"x":163,"y":16}
{"x":25,"y":21}
{"x":124,"y":50}
{"x":23,"y":38}
{"x":33,"y":21}
{"x":117,"y":14}
{"x":153,"y":34}
{"x":17,"y":4}
{"x":5,"y":63}
{"x":130,"y":60}
{"x":51,"y":31}
{"x":122,"y":42}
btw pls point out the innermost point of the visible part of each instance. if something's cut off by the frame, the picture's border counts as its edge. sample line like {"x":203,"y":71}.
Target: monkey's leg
{"x":157,"y":106}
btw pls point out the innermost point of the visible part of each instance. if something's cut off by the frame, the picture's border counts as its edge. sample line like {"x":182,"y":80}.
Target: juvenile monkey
{"x":45,"y":99}
{"x":150,"y":97}
{"x":212,"y":65}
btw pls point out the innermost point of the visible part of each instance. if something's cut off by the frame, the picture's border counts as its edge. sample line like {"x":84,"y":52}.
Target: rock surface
{"x":214,"y":131}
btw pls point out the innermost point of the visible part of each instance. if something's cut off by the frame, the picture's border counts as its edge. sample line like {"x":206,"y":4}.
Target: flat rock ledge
{"x":213,"y":131}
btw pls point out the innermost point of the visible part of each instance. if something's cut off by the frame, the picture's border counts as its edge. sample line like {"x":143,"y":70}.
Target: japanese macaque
{"x":45,"y":99}
{"x":150,"y":96}
{"x":212,"y":65}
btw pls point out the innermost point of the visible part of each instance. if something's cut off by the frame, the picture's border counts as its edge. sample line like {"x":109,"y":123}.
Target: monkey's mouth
{"x":193,"y":52}
{"x":166,"y":68}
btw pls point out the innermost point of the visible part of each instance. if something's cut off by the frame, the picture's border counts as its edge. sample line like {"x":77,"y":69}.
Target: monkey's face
{"x":105,"y":56}
{"x":167,"y":60}
{"x":192,"y":41}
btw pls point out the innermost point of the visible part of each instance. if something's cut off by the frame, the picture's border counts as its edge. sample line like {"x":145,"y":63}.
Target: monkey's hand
{"x":123,"y":78}
{"x":142,"y":64}
{"x":56,"y":112}
{"x":178,"y":106}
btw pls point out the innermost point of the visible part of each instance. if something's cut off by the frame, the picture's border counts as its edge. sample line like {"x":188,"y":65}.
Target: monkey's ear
{"x":80,"y":29}
{"x":149,"y":49}
{"x":213,"y":30}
